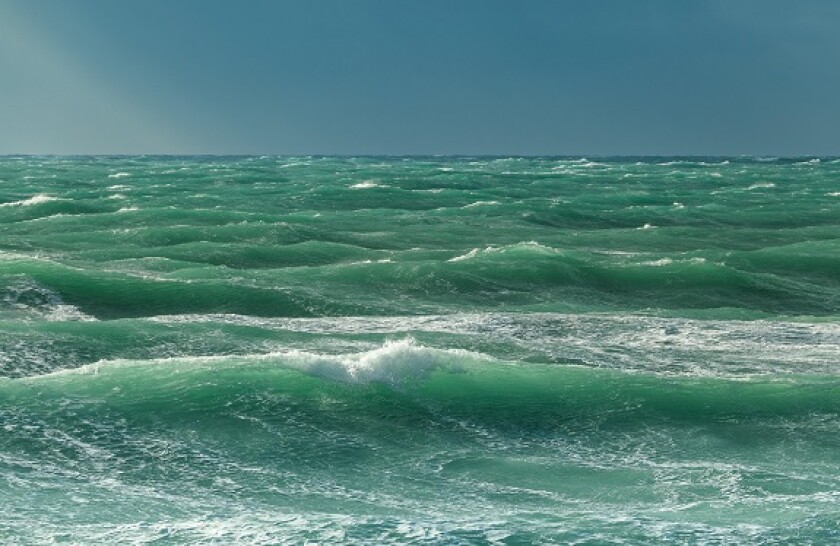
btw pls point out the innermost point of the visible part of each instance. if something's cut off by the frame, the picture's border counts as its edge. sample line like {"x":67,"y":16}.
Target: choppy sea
{"x":424,"y":350}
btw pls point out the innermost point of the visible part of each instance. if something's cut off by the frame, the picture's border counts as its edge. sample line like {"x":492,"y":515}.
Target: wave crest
{"x":394,"y":363}
{"x":34,"y":200}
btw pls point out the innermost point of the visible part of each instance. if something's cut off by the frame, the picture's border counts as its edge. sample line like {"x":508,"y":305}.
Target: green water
{"x":419,"y":350}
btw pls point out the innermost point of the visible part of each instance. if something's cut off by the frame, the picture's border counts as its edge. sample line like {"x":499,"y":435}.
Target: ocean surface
{"x":427,"y":350}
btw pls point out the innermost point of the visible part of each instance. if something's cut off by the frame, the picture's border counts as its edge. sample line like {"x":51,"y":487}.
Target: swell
{"x":111,"y":295}
{"x":34,"y":208}
{"x":52,"y":338}
{"x":243,"y":255}
{"x":530,"y":273}
{"x":408,"y":431}
{"x":401,"y":376}
{"x":278,"y":280}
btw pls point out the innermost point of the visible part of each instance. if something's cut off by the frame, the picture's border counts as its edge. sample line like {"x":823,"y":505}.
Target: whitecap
{"x":394,"y":363}
{"x":670,"y":261}
{"x":34,"y":200}
{"x":659,"y":263}
{"x":532,"y":245}
{"x":471,"y":254}
{"x":365,"y":184}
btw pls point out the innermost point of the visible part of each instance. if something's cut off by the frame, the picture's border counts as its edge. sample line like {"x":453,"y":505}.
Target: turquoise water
{"x":419,"y":350}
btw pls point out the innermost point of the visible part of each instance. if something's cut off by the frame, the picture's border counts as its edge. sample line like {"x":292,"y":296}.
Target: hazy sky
{"x":421,"y":77}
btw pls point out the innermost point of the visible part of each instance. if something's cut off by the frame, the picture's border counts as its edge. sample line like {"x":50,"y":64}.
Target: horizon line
{"x":427,"y":155}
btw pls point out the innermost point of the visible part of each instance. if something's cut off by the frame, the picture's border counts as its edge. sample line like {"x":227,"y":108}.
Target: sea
{"x":419,"y":350}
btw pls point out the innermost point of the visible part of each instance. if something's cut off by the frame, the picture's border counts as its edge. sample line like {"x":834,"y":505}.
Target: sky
{"x":393,"y":77}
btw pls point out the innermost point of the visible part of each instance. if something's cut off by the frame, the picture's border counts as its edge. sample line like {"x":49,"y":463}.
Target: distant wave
{"x":34,"y":200}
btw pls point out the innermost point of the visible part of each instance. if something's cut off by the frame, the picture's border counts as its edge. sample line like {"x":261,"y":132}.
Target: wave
{"x":30,"y":299}
{"x":312,"y":446}
{"x":34,"y":200}
{"x":454,"y":380}
{"x":367,"y":184}
{"x":394,"y":364}
{"x":107,"y":294}
{"x":43,"y":206}
{"x":528,"y":247}
{"x":663,"y":346}
{"x":480,"y":203}
{"x":354,"y":281}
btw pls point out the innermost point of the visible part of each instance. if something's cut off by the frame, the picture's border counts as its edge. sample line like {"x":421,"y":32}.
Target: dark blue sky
{"x":603,"y":77}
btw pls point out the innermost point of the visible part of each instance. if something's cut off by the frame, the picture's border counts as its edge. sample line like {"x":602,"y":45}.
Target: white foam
{"x":588,"y":164}
{"x":532,"y":245}
{"x":46,"y":304}
{"x":10,"y":256}
{"x":480,"y":203}
{"x":365,"y":184}
{"x":366,"y":262}
{"x":394,"y":363}
{"x":647,"y":226}
{"x":64,"y":312}
{"x":667,"y":346}
{"x":471,"y":254}
{"x":761,"y":185}
{"x":118,"y":175}
{"x":669,"y":261}
{"x":659,"y":263}
{"x":34,"y":200}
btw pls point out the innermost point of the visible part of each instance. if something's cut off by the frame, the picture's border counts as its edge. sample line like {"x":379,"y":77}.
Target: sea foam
{"x":34,"y":200}
{"x":394,"y":363}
